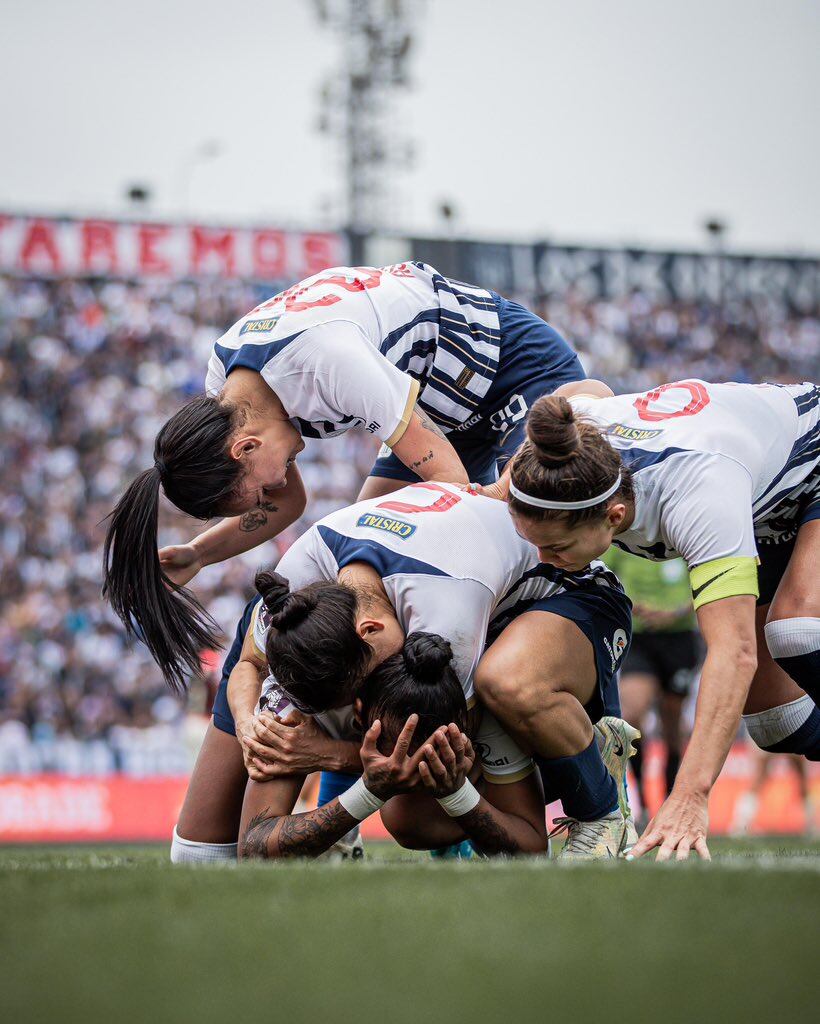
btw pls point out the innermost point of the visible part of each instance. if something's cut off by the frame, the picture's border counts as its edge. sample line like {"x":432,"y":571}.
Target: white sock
{"x":186,"y":851}
{"x":769,"y":727}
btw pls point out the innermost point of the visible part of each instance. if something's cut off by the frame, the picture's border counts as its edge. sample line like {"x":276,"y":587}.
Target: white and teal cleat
{"x":607,"y":838}
{"x":458,"y":851}
{"x":349,"y":847}
{"x":616,"y":739}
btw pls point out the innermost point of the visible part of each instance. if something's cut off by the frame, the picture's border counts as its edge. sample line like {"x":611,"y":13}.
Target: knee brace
{"x":792,"y":728}
{"x":187,"y":851}
{"x":795,"y":646}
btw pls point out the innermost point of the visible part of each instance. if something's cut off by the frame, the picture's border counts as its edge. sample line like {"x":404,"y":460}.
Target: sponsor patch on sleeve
{"x":259,"y":326}
{"x":395,"y":526}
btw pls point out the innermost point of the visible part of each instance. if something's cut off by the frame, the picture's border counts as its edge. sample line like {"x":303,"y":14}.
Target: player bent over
{"x":443,"y":373}
{"x":725,"y":476}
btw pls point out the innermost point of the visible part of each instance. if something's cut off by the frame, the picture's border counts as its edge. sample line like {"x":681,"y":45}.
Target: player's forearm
{"x":724,"y":685}
{"x":495,"y":832}
{"x":236,"y":534}
{"x":342,"y":756}
{"x":297,"y":835}
{"x":424,"y":449}
{"x":244,"y":687}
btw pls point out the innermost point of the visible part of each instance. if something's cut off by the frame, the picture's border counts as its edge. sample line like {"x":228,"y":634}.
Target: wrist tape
{"x":462,"y":801}
{"x":359,"y":802}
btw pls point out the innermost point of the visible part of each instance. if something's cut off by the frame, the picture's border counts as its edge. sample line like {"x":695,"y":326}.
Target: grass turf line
{"x":117,"y":934}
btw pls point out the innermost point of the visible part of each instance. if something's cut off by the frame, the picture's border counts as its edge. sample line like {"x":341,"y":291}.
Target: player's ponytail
{"x":193,"y":465}
{"x":167,"y":618}
{"x":565,"y":459}
{"x":313,"y":648}
{"x":419,"y":680}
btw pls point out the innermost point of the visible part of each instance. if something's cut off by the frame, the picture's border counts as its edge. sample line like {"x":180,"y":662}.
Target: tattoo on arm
{"x":428,"y":424}
{"x":297,"y":835}
{"x":421,"y":461}
{"x":489,"y":835}
{"x":256,"y":518}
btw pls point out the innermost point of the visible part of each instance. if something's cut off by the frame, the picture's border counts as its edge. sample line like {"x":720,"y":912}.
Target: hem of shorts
{"x":225,"y":725}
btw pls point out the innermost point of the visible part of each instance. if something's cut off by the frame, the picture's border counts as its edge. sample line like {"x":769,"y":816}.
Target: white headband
{"x":587,"y":503}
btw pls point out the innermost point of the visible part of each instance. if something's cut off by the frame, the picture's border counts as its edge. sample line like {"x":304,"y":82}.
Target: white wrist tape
{"x":359,"y":802}
{"x":462,"y":801}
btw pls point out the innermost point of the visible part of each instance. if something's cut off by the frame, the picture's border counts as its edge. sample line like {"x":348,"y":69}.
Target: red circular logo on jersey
{"x":699,"y":400}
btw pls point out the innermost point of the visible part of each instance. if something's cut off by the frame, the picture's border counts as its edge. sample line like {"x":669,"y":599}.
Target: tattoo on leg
{"x":488,"y":834}
{"x":258,"y":834}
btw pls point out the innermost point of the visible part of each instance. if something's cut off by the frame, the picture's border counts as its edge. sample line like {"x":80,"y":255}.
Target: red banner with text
{"x":106,"y":248}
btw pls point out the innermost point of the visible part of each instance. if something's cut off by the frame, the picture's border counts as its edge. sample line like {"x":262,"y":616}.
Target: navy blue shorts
{"x":223,"y":719}
{"x":534,"y":360}
{"x":604,"y":616}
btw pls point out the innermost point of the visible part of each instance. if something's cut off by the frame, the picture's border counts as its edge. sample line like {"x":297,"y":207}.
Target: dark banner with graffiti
{"x":543,"y":270}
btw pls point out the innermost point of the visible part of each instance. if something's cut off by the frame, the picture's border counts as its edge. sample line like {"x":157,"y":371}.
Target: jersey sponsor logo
{"x":471,"y":422}
{"x":617,"y":647}
{"x":630,"y":433}
{"x":259,"y":326}
{"x":484,"y":750}
{"x":394,"y":526}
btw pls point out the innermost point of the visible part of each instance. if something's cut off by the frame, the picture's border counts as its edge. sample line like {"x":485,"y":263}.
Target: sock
{"x":792,"y":728}
{"x":582,"y":782}
{"x":672,"y":765}
{"x":795,"y":646}
{"x":333,"y":784}
{"x":186,"y":851}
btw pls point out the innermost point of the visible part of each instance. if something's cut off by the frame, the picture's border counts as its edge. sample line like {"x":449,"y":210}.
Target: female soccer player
{"x":442,"y":373}
{"x":436,"y":559}
{"x":728,"y":477}
{"x":413,"y":714}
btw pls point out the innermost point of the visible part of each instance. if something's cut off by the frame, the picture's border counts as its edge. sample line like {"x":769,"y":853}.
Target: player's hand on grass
{"x":385,"y":776}
{"x":679,"y":826}
{"x":448,"y":758}
{"x":285,"y":746}
{"x":180,"y":563}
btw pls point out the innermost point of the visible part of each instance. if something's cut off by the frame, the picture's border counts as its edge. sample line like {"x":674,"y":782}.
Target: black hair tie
{"x":160,"y":467}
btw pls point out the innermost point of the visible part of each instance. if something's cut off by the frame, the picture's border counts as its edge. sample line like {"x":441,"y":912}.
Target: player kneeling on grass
{"x":421,"y":786}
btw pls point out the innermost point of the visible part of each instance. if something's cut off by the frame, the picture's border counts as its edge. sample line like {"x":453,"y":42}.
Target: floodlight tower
{"x":357,"y":101}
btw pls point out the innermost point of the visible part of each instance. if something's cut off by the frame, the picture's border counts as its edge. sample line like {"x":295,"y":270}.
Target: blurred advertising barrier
{"x":58,"y":808}
{"x":118,"y":248}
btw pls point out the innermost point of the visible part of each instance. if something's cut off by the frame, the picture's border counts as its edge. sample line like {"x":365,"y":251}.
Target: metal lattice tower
{"x":357,"y":105}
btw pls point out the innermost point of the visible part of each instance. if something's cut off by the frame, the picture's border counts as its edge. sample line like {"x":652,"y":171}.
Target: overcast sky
{"x":591,"y":121}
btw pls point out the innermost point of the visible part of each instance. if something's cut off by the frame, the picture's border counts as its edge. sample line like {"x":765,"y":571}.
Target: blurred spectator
{"x":89,"y":371}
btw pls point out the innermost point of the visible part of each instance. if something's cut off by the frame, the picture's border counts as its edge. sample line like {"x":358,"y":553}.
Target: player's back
{"x":753,"y":425}
{"x":439,"y":530}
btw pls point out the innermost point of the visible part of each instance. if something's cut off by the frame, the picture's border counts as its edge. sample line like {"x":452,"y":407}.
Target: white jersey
{"x":717,"y":468}
{"x":359,"y":345}
{"x":450,"y":562}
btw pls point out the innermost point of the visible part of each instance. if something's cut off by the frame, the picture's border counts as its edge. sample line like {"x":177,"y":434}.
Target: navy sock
{"x":804,"y":669}
{"x":584,"y":786}
{"x":805,"y":740}
{"x":333,"y":784}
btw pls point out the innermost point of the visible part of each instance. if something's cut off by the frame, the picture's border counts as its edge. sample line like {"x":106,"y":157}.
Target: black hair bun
{"x":426,"y":655}
{"x":273,"y":589}
{"x":552,"y":431}
{"x":294,"y":609}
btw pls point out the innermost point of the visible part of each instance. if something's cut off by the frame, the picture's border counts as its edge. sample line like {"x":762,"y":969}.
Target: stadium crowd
{"x":89,"y":370}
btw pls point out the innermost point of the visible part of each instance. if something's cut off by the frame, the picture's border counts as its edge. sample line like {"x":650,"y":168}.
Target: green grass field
{"x":117,"y":934}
